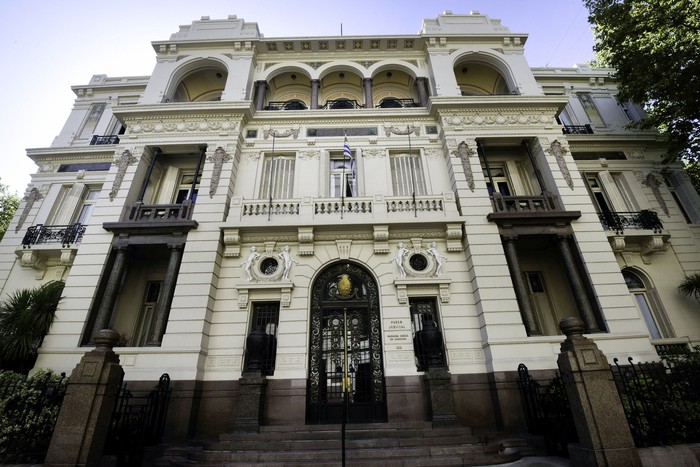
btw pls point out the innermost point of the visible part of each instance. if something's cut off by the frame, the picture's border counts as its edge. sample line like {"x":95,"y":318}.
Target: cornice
{"x":69,"y":153}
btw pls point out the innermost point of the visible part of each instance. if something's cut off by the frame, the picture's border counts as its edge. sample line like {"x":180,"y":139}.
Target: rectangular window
{"x":148,"y":309}
{"x":88,"y":203}
{"x":407,"y":174}
{"x":278,"y":177}
{"x":500,"y":179}
{"x":185,"y":186}
{"x":265,"y":318}
{"x":90,"y":123}
{"x":342,"y":173}
{"x":590,"y":108}
{"x":428,"y":347}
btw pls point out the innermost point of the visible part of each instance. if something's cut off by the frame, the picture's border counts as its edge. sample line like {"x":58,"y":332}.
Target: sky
{"x":50,"y":45}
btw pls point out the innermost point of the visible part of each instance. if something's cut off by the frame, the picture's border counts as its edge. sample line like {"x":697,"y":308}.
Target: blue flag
{"x":347,"y":152}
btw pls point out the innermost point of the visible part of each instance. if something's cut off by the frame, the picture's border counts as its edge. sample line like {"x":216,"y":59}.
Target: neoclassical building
{"x":345,"y":197}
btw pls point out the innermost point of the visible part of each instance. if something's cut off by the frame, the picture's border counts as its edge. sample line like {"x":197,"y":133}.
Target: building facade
{"x":345,"y":197}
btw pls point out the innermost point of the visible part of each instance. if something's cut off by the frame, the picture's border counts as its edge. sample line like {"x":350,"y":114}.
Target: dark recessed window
{"x":268,"y":266}
{"x":418,"y":262}
{"x":87,"y":167}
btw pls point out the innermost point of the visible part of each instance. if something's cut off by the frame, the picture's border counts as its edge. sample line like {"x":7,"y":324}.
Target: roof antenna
{"x":341,"y":29}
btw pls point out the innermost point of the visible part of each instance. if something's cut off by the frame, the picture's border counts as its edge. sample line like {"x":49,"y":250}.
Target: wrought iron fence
{"x":63,"y":234}
{"x":106,"y":139}
{"x":577,"y":130}
{"x":661,"y":399}
{"x":547,"y":411}
{"x":137,"y":422}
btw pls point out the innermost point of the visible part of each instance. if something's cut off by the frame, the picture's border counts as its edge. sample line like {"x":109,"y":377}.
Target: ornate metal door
{"x":345,"y":339}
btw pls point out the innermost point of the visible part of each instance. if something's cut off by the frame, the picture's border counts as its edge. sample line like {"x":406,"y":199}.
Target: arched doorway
{"x":345,"y":337}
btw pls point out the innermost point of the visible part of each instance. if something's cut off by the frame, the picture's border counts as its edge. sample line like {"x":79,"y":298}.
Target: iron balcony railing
{"x":577,"y":130}
{"x":66,"y":235}
{"x":619,"y":221}
{"x":106,"y":139}
{"x":392,"y":103}
{"x":342,"y":104}
{"x":285,"y":105}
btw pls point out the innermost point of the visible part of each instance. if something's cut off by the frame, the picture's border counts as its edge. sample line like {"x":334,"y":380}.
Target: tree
{"x":25,"y":318}
{"x":693,"y":170}
{"x":654,"y":47}
{"x":8,"y":205}
{"x":690,"y":286}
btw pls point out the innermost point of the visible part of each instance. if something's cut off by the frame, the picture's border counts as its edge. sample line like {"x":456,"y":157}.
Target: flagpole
{"x":272,"y":168}
{"x":413,"y":175}
{"x":342,"y":180}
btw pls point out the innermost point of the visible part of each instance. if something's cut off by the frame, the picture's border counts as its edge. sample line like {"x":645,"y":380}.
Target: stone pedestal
{"x":441,"y":407}
{"x":251,"y":398}
{"x":603,"y":432}
{"x":85,"y":415}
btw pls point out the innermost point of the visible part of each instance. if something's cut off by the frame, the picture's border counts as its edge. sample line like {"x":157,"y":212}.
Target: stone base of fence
{"x":83,"y":422}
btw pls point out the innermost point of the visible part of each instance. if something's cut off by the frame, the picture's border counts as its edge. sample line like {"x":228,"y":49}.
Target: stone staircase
{"x":384,"y":444}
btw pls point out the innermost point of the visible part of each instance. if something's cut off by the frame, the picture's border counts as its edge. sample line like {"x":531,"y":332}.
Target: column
{"x":603,"y":432}
{"x":367,"y":82}
{"x":109,"y":297}
{"x":160,"y":320}
{"x":576,"y":284}
{"x":422,"y":92}
{"x":260,"y":95}
{"x":521,"y":294}
{"x":315,"y":84}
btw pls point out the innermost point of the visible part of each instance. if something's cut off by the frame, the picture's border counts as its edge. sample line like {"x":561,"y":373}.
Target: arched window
{"x":649,"y":305}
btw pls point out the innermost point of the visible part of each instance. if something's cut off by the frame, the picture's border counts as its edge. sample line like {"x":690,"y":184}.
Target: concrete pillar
{"x":315,"y":84}
{"x":367,"y":82}
{"x":160,"y":318}
{"x":86,"y":413}
{"x":520,"y":287}
{"x":604,"y":435}
{"x":576,"y":283}
{"x":109,"y":297}
{"x":251,"y":398}
{"x":441,"y":407}
{"x":260,"y":97}
{"x":422,"y":93}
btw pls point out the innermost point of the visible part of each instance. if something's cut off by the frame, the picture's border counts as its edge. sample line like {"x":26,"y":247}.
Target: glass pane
{"x":648,"y":316}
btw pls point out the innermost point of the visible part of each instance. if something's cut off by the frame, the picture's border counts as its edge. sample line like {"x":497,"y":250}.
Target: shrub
{"x":28,"y":412}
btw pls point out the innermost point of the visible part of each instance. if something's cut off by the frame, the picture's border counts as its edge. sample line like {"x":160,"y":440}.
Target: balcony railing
{"x":337,"y":206}
{"x":140,"y":212}
{"x":285,"y":105}
{"x":63,"y":234}
{"x":577,"y":130}
{"x":391,"y":103}
{"x":524,"y":204}
{"x":619,"y":221}
{"x":106,"y":139}
{"x":342,"y":104}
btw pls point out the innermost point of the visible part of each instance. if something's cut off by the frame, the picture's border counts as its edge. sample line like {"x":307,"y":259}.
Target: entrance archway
{"x":345,"y":330}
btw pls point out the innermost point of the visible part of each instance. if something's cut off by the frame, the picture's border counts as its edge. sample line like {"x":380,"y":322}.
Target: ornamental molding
{"x":309,"y":155}
{"x":268,"y":131}
{"x":401,"y":131}
{"x":558,"y":151}
{"x":122,"y":163}
{"x":218,"y":158}
{"x":201,"y":124}
{"x":30,"y":198}
{"x":373,"y":153}
{"x":652,"y":181}
{"x":498,"y":117}
{"x":463,"y":153}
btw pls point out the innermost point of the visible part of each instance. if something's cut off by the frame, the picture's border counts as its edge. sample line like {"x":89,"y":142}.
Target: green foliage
{"x":654,"y":46}
{"x":28,"y":412}
{"x":25,"y":318}
{"x":693,"y":170}
{"x":690,"y":286}
{"x":8,"y":205}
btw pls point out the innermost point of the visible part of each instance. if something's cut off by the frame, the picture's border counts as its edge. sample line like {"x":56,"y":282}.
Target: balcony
{"x":532,"y":214}
{"x":337,"y":104}
{"x":66,"y":235}
{"x":106,"y":139}
{"x":285,"y":105}
{"x":330,"y":210}
{"x":577,"y":130}
{"x":619,"y":221}
{"x":635,"y":231}
{"x":155,"y":218}
{"x":392,"y":103}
